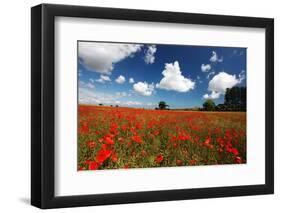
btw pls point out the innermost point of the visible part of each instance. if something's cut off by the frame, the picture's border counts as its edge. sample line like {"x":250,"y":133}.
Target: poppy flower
{"x":159,"y":158}
{"x":87,"y":162}
{"x":207,"y":142}
{"x":137,"y":139}
{"x":193,"y":162}
{"x":84,"y":129}
{"x":108,"y":140}
{"x":238,"y":159}
{"x":234,"y":151}
{"x":91,"y":144}
{"x":114,"y":157}
{"x":93,"y":165}
{"x":179,"y":162}
{"x":102,"y":155}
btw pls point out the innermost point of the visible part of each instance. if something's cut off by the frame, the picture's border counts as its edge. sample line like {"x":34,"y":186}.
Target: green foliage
{"x":162,"y":105}
{"x":209,"y":105}
{"x":235,"y":99}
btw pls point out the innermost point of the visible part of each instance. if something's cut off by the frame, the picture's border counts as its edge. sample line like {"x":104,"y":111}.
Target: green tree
{"x":235,"y":99}
{"x":209,"y":105}
{"x":162,"y":105}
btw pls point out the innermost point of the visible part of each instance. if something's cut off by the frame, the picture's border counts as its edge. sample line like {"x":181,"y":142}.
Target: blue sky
{"x":141,"y":75}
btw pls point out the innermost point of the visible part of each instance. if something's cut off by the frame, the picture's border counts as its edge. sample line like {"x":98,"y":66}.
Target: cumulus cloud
{"x":120,"y":80}
{"x":131,"y":81}
{"x":221,"y":82}
{"x":103,"y":78}
{"x":144,"y":88}
{"x":174,"y":80}
{"x":206,"y":67}
{"x":213,"y":95}
{"x":215,"y":58}
{"x":101,"y":57}
{"x":83,"y":84}
{"x":149,"y":57}
{"x":133,"y":103}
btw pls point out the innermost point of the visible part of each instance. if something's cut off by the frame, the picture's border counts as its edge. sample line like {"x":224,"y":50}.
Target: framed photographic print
{"x":139,"y":106}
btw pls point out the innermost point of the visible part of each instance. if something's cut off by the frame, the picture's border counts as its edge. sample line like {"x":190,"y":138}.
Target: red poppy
{"x":91,"y":144}
{"x":93,"y":165}
{"x":234,"y":151}
{"x":108,"y":140}
{"x":179,"y":162}
{"x":159,"y":158}
{"x":87,"y":162}
{"x":156,"y":132}
{"x":84,"y":129}
{"x":114,"y":157}
{"x":238,"y":159}
{"x":207,"y":142}
{"x":102,"y":155}
{"x":137,"y":139}
{"x":193,"y":162}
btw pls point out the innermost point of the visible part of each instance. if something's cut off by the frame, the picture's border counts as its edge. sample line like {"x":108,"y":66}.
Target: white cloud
{"x":241,"y":76}
{"x":120,"y":94}
{"x":131,"y":81}
{"x":209,"y":74}
{"x":206,"y":67}
{"x":87,"y":96}
{"x":90,"y":85}
{"x":215,"y":58}
{"x":144,"y":88}
{"x":149,"y":57}
{"x":120,"y":80}
{"x":83,"y":84}
{"x":213,"y":95}
{"x":103,"y":78}
{"x":133,"y":103}
{"x":91,"y":80}
{"x":101,"y":57}
{"x":221,"y":82}
{"x":174,"y":80}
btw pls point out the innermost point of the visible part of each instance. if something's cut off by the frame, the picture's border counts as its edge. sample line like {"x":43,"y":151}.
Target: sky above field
{"x":141,"y":75}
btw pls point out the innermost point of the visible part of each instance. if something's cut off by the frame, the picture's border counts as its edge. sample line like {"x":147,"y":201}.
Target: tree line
{"x":234,"y":100}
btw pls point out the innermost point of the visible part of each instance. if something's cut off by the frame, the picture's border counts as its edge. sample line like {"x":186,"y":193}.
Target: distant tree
{"x":111,"y":105}
{"x":162,"y":105}
{"x":116,"y":106}
{"x":156,"y":108}
{"x":209,"y":105}
{"x":100,"y":104}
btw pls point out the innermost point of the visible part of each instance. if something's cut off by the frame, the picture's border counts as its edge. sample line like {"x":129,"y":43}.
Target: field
{"x":117,"y":137}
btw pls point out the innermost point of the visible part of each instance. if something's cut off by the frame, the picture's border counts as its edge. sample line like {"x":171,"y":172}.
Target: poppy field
{"x":119,"y":137}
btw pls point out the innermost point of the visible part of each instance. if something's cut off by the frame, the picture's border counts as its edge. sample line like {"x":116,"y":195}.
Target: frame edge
{"x":36,"y":85}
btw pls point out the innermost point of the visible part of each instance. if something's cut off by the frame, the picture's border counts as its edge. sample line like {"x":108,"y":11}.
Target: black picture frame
{"x":43,"y":102}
